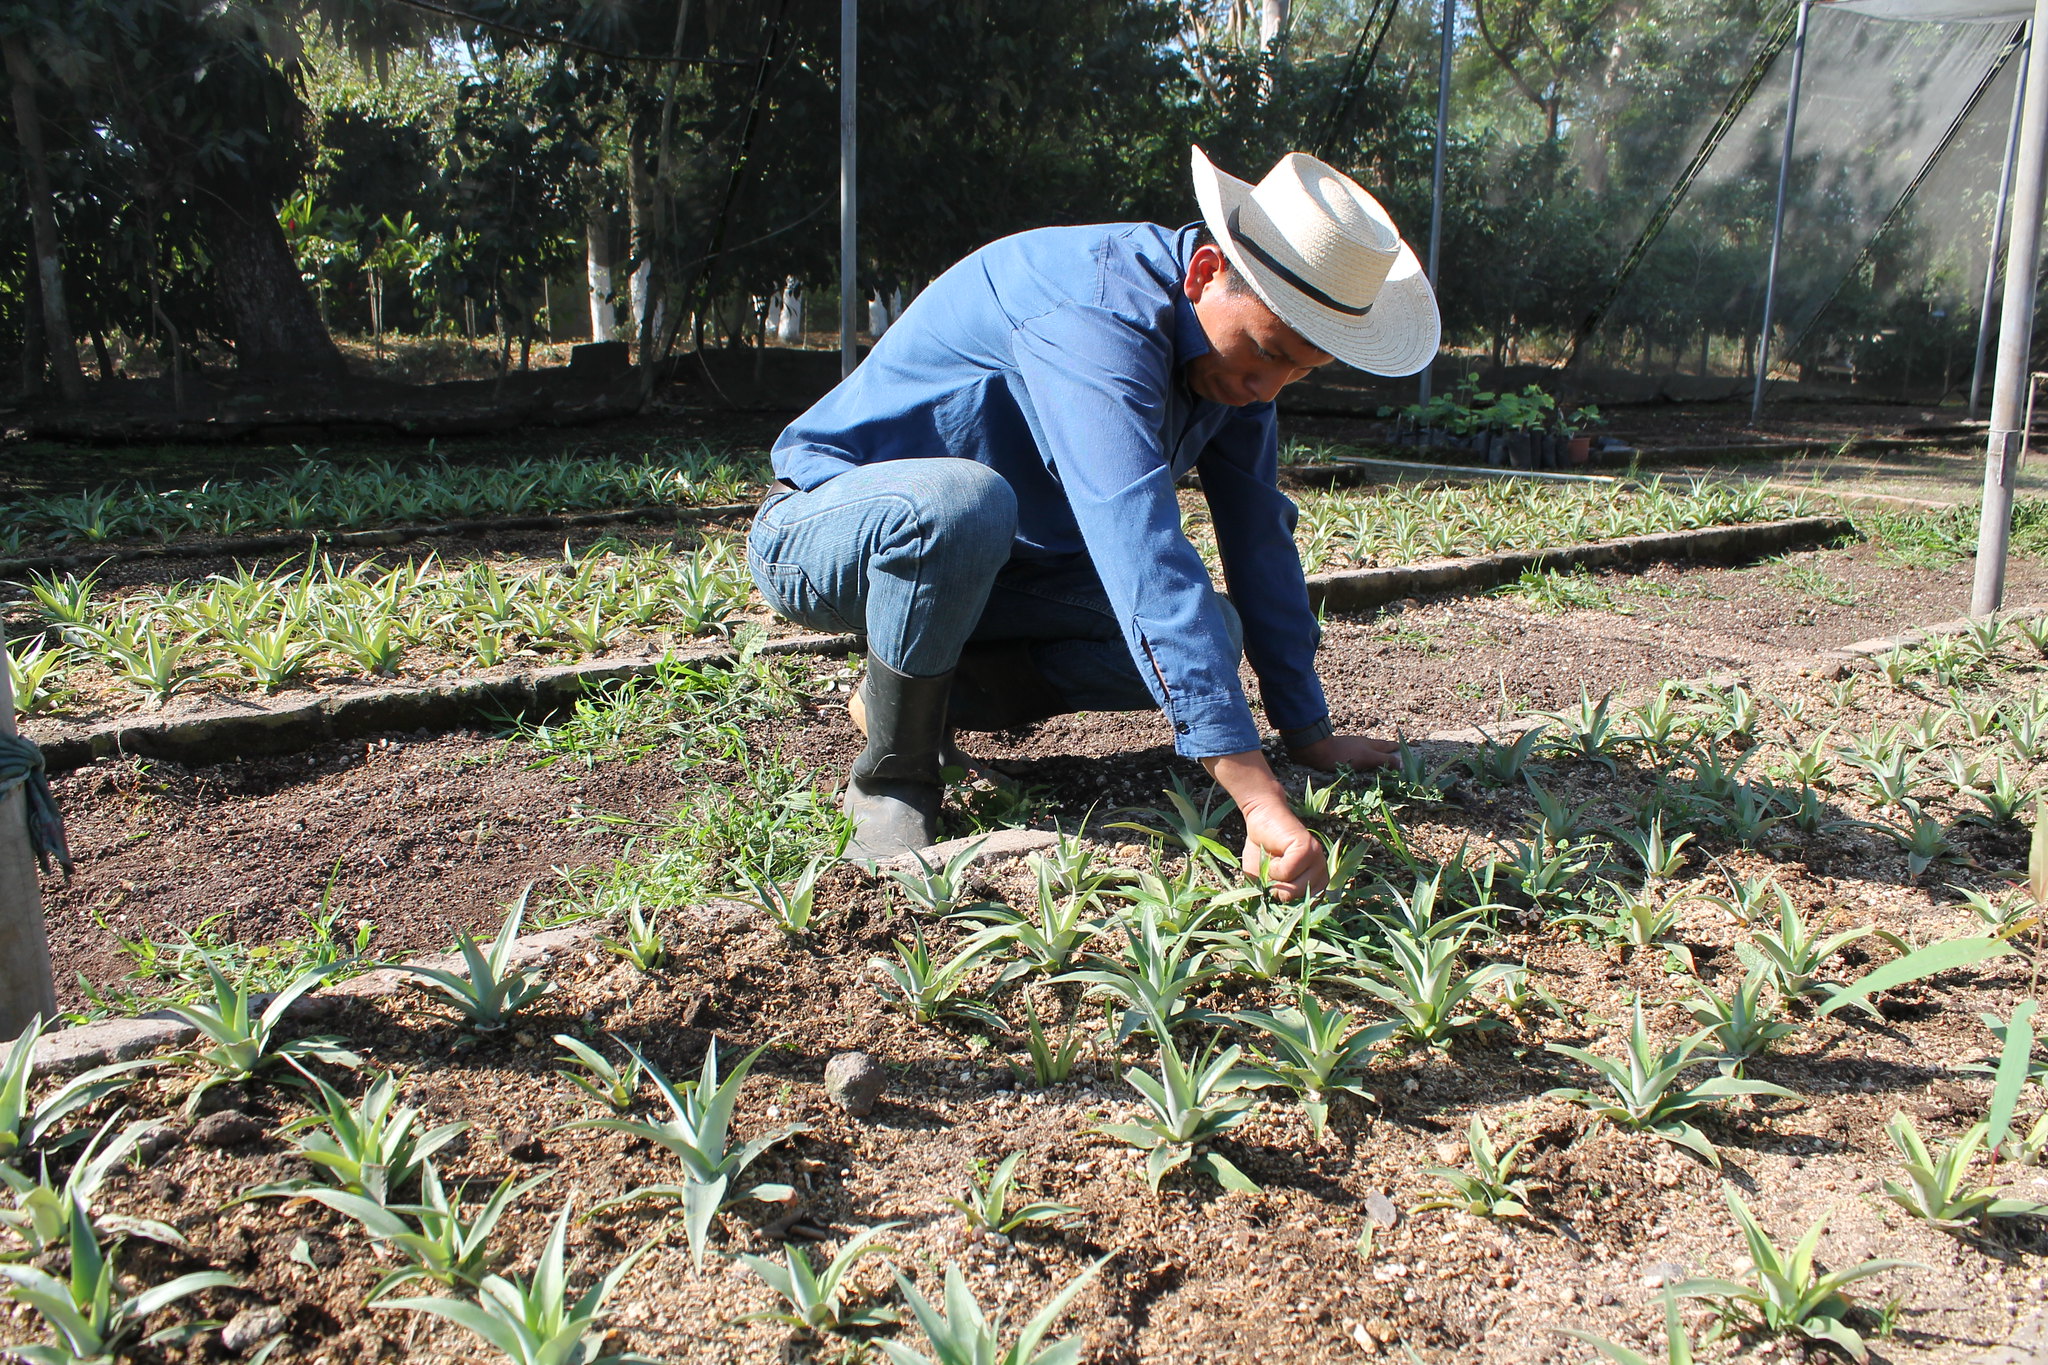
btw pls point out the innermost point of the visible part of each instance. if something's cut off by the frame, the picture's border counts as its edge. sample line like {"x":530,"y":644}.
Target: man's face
{"x":1252,"y":353}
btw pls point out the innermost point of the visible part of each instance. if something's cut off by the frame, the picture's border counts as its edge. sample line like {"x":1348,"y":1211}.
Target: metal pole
{"x":1436,"y":175}
{"x":2012,"y":143}
{"x":849,"y":273}
{"x":27,"y":987}
{"x":2015,"y":337}
{"x":1763,"y":345}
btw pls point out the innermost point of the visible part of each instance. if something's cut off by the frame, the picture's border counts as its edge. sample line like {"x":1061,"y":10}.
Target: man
{"x":989,"y":498}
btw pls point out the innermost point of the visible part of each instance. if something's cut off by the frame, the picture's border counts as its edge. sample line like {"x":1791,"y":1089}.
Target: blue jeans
{"x":915,"y":555}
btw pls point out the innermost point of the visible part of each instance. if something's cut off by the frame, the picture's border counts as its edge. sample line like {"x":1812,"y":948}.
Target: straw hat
{"x":1324,"y":256}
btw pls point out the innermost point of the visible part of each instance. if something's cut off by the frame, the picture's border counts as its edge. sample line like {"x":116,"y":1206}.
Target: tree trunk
{"x":790,"y":330}
{"x":28,"y":128}
{"x":597,"y":263}
{"x":278,"y":334}
{"x":1272,"y":22}
{"x":32,"y":339}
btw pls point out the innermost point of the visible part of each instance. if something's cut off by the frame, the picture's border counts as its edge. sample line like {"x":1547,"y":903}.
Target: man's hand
{"x":1359,"y":753}
{"x":1277,"y":846}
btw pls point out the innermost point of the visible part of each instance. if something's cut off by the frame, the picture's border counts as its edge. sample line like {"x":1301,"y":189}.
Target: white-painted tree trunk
{"x":878,"y":316}
{"x":1272,"y":21}
{"x":597,"y":263}
{"x":789,"y":325}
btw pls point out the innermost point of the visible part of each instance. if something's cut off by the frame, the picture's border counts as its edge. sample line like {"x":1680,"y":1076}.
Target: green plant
{"x":432,"y":1236}
{"x":1678,"y":1347}
{"x":1743,"y":1025}
{"x":642,"y":945}
{"x":1050,"y":1065}
{"x":25,"y":1124}
{"x":1193,"y":826}
{"x":815,"y":1298}
{"x":696,"y":1134}
{"x":534,"y":1322}
{"x":1317,"y":1053}
{"x":615,"y":1087}
{"x":938,"y":890}
{"x":1647,"y":1093}
{"x":1587,"y":733}
{"x":1789,"y":950}
{"x":1661,"y":858}
{"x":1784,"y":1292}
{"x":987,"y":1205}
{"x":963,"y":1334}
{"x":66,"y":601}
{"x":37,"y":675}
{"x":41,"y":1216}
{"x":2003,"y":798}
{"x":931,"y":989}
{"x":1491,"y":1189}
{"x":90,"y":1311}
{"x":493,"y":990}
{"x":366,"y":1148}
{"x":1191,"y":1102}
{"x":1154,"y":975}
{"x":1277,"y":940}
{"x":1938,"y":1189}
{"x":2009,"y":913}
{"x":1633,"y":919}
{"x":1428,"y":987}
{"x":792,"y":910}
{"x":241,"y":1044}
{"x":1048,"y":941}
{"x":1495,"y":762}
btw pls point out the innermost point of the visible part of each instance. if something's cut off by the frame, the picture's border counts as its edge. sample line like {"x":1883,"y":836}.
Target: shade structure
{"x":1937,"y":11}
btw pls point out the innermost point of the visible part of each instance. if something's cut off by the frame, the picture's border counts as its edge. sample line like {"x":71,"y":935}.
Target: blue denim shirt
{"x":1054,"y":357}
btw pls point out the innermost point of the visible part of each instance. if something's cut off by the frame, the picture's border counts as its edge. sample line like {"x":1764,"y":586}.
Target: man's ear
{"x":1208,"y":265}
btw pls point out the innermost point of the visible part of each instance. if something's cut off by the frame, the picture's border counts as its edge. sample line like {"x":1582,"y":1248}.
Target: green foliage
{"x":1938,"y":1189}
{"x":931,"y":989}
{"x":1491,"y":1189}
{"x":642,"y":945}
{"x":367,"y":1148}
{"x":1678,"y":1347}
{"x":493,"y":990}
{"x":1428,"y":986}
{"x":240,"y":1044}
{"x":791,"y":909}
{"x":963,"y":1334}
{"x":1934,"y":959}
{"x":987,"y":1204}
{"x":1050,"y":1064}
{"x":1785,"y":1293}
{"x":939,"y":890}
{"x":433,"y":1236}
{"x":1154,"y":976}
{"x":1745,"y":1023}
{"x":90,"y":1311}
{"x":534,"y":1322}
{"x":815,"y":1299}
{"x":27,"y":1124}
{"x":42,"y":1212}
{"x":697,"y":1135}
{"x":1317,"y":1052}
{"x":1646,"y":1090}
{"x":1191,"y":1101}
{"x":613,"y":1086}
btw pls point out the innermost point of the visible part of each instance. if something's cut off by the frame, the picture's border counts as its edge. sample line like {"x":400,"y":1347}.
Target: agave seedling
{"x":791,"y":910}
{"x":90,"y":1311}
{"x":613,"y":1086}
{"x":1499,"y":763}
{"x":814,"y":1300}
{"x":1938,"y":1189}
{"x":1811,"y":763}
{"x":987,"y":1204}
{"x":2003,"y":798}
{"x":1429,"y":988}
{"x":432,"y":1235}
{"x":1785,"y":1292}
{"x":2035,"y":632}
{"x":1646,"y":1091}
{"x":367,"y":1148}
{"x":1050,"y":1064}
{"x":1924,"y":840}
{"x":1191,"y":825}
{"x":37,"y":676}
{"x":1192,"y":1100}
{"x":41,"y":1216}
{"x":1791,"y":953}
{"x":1317,"y":1053}
{"x":1047,"y":941}
{"x":696,"y":1134}
{"x":938,"y":890}
{"x":642,"y":944}
{"x":1542,"y":871}
{"x":1633,"y":919}
{"x":2008,"y":913}
{"x":1491,"y":1189}
{"x":534,"y":1322}
{"x":1661,"y":858}
{"x":1745,"y":1024}
{"x":1557,"y":820}
{"x":1154,"y":976}
{"x":2027,"y":728}
{"x":1279,"y":940}
{"x":1417,"y":912}
{"x":1678,"y":1346}
{"x":1587,"y":733}
{"x":241,"y":1044}
{"x":494,"y":990}
{"x":23,"y":1124}
{"x":931,"y":989}
{"x":963,"y":1334}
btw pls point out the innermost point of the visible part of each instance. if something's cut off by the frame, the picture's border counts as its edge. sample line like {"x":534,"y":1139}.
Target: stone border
{"x":252,"y":730}
{"x":73,"y":1049}
{"x":293,"y":542}
{"x":1365,"y":588}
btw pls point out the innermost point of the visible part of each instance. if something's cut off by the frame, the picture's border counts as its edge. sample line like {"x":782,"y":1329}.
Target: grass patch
{"x":1553,"y":593}
{"x":1814,"y":581}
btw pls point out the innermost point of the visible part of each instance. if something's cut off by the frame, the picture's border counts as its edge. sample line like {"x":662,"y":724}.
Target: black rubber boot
{"x":894,"y":790}
{"x":997,"y":687}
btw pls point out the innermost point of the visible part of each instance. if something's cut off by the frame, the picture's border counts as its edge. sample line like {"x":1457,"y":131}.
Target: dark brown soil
{"x":437,"y":833}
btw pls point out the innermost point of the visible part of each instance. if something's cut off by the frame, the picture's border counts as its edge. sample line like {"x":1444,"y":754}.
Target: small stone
{"x":521,"y":1144}
{"x":1364,"y":1340}
{"x":1662,"y":1273}
{"x":1567,"y":1296}
{"x":1450,"y":1153}
{"x":854,"y":1081}
{"x":1380,"y":1210}
{"x":1411,"y":1086}
{"x":252,"y":1327}
{"x":226,"y":1128}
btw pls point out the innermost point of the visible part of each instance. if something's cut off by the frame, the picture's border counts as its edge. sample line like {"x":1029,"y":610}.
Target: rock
{"x":1380,"y":1210}
{"x":252,"y":1327}
{"x":521,"y":1145}
{"x":854,"y":1081}
{"x":1662,"y":1273}
{"x":225,"y":1128}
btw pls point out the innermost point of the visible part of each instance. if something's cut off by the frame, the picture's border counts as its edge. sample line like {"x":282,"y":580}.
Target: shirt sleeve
{"x":1094,"y":392}
{"x":1254,"y":524}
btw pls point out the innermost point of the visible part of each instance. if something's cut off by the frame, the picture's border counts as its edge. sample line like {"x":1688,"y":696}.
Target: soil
{"x":426,"y":835}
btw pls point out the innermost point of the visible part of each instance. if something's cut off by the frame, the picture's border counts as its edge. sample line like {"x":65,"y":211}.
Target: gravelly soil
{"x":436,"y":833}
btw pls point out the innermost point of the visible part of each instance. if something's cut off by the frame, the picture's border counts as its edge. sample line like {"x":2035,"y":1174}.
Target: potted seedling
{"x":1577,"y":442}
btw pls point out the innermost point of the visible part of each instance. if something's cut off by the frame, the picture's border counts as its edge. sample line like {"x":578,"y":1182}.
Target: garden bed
{"x":427,"y":836}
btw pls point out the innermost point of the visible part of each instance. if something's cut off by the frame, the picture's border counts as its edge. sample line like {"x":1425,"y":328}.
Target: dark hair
{"x":1233,"y":278}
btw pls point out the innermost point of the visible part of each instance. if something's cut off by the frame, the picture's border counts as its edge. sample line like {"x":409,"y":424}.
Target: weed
{"x":792,"y":910}
{"x":1554,"y":593}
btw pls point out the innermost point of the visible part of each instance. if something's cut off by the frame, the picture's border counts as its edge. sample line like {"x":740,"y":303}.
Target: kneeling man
{"x":989,"y":498}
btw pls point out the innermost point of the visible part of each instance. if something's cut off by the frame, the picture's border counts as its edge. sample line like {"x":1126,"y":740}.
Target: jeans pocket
{"x":789,"y":592}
